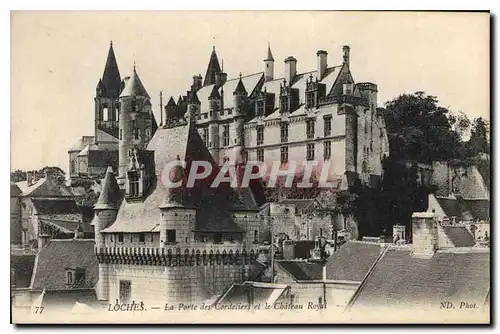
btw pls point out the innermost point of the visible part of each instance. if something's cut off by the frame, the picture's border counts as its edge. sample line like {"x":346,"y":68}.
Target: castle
{"x":317,"y":116}
{"x":156,"y":243}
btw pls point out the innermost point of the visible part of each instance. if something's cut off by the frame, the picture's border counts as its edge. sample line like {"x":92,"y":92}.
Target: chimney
{"x":290,"y":69}
{"x":346,"y":50}
{"x":322,"y":65}
{"x":424,"y":234}
{"x":29,"y":178}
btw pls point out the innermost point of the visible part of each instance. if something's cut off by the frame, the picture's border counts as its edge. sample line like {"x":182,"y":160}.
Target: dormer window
{"x":260,"y":107}
{"x":133,"y":179}
{"x":310,"y":101}
{"x":70,"y":279}
{"x":136,"y":133}
{"x":284,"y":104}
{"x":133,"y":105}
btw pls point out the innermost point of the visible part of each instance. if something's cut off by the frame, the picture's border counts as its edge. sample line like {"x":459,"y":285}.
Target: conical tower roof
{"x":111,"y":80}
{"x":214,"y":94}
{"x":134,"y":86}
{"x":212,"y":69}
{"x":269,"y":53}
{"x":110,"y":193}
{"x":240,"y":88}
{"x":174,"y":197}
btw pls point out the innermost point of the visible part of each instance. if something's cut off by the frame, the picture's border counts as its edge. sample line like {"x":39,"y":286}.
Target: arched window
{"x":73,"y":167}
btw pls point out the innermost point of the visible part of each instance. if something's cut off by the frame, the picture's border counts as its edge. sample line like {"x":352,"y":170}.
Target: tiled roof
{"x":134,"y":86}
{"x":59,"y":255}
{"x":399,"y":279}
{"x":23,"y":269}
{"x":459,"y":236}
{"x":260,"y":292}
{"x":14,"y":190}
{"x":47,"y":187}
{"x":352,"y":261}
{"x":56,"y":206}
{"x":302,"y":270}
{"x":213,"y":204}
{"x":464,"y":208}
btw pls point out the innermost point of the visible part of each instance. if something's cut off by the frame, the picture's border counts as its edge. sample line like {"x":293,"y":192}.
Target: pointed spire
{"x":171,"y":102}
{"x":269,"y":53}
{"x":240,"y":88}
{"x":134,"y":86}
{"x":214,"y":94}
{"x":212,"y":69}
{"x":111,"y":80}
{"x":110,"y":192}
{"x":179,"y":100}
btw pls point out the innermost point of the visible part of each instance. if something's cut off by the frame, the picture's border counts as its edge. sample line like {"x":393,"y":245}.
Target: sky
{"x":57,"y":59}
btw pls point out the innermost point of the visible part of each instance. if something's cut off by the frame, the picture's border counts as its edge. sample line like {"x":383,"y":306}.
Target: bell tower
{"x":106,"y":101}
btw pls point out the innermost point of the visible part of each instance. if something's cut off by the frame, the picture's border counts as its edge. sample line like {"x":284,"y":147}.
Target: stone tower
{"x":213,"y":128}
{"x":136,"y":121}
{"x":239,"y":98}
{"x":105,"y":210}
{"x":269,"y":65}
{"x":106,"y":100}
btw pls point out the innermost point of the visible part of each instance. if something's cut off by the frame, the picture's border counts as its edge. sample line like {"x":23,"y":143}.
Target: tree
{"x":478,"y":142}
{"x":419,"y":129}
{"x":18,"y":175}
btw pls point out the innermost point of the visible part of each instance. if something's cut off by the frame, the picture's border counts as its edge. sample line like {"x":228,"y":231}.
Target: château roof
{"x":212,"y":68}
{"x":134,"y":86}
{"x":213,"y":205}
{"x":110,"y":192}
{"x":111,"y":81}
{"x":269,"y":54}
{"x":240,"y":88}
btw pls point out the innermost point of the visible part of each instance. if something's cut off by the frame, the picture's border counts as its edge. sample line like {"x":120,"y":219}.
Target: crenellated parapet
{"x":349,"y":99}
{"x":173,"y":257}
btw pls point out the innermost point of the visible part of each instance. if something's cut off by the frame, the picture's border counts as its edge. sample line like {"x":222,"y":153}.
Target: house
{"x":430,"y":275}
{"x":65,"y":272}
{"x":333,"y":281}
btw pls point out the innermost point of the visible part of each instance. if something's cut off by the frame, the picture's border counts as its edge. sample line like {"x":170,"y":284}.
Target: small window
{"x":133,"y":105}
{"x":260,"y":135}
{"x":231,"y":238}
{"x":105,"y":114}
{"x":256,"y":236}
{"x":142,"y":237}
{"x":225,"y":135}
{"x":133,"y":178}
{"x":260,"y":155}
{"x":120,"y":237}
{"x":327,"y":150}
{"x":320,"y":232}
{"x":328,"y":125}
{"x":310,"y":128}
{"x":125,"y":291}
{"x":136,"y":133}
{"x":310,"y":152}
{"x":121,"y":134}
{"x":170,"y":235}
{"x":284,"y":132}
{"x":284,"y":155}
{"x":69,"y":277}
{"x":260,"y":108}
{"x":80,"y":276}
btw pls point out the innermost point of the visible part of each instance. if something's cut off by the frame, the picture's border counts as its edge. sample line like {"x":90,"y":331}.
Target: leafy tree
{"x":18,"y":175}
{"x":419,"y":129}
{"x":478,"y":142}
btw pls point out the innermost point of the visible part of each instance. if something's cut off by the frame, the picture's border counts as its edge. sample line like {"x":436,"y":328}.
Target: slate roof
{"x":58,"y":255}
{"x":56,"y":206}
{"x":459,"y":236}
{"x":464,"y":208}
{"x":46,"y":187}
{"x":15,"y":191}
{"x":65,"y":225}
{"x":303,"y":270}
{"x":261,"y":292}
{"x":213,"y":204}
{"x":81,"y":143}
{"x":352,"y":261}
{"x":110,"y":194}
{"x":212,"y":68}
{"x":399,"y":279}
{"x":134,"y":86}
{"x":111,"y":81}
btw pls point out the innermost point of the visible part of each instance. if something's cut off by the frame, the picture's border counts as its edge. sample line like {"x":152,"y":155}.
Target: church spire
{"x":111,"y":80}
{"x":269,"y":53}
{"x":212,"y":69}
